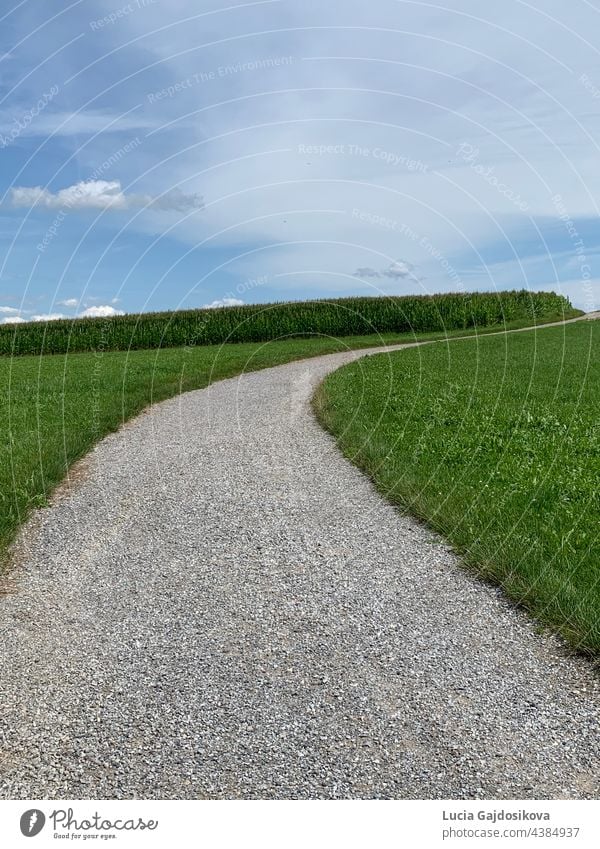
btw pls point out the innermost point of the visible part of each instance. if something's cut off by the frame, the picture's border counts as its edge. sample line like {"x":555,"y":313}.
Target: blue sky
{"x":160,"y":155}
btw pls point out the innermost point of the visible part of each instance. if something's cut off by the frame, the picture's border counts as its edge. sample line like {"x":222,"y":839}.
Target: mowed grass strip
{"x":495,"y":443}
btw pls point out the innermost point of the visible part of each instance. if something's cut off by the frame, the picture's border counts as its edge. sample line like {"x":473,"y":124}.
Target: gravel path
{"x":224,"y":607}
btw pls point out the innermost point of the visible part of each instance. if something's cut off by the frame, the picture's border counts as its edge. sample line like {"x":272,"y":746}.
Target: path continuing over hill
{"x":224,"y":607}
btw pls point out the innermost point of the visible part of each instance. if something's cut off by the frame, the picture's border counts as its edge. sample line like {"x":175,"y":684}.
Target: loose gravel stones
{"x":223,"y":607}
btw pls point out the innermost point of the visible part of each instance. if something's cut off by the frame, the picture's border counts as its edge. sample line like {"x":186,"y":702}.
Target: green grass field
{"x":54,"y":408}
{"x":496,"y":444}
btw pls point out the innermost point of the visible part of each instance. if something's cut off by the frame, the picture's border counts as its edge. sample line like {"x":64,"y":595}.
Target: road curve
{"x":223,"y":607}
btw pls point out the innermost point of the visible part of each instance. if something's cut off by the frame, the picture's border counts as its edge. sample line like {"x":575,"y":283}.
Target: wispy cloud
{"x":60,"y":123}
{"x":102,"y":194}
{"x":398,"y":270}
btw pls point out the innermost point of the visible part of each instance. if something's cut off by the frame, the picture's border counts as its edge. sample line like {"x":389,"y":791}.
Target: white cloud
{"x":102,"y":194}
{"x":51,"y":316}
{"x":69,"y":302}
{"x":101,"y":311}
{"x":8,"y":310}
{"x":224,"y":302}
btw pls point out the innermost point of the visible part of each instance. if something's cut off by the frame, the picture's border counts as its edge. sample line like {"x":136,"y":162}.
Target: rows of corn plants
{"x":266,"y":322}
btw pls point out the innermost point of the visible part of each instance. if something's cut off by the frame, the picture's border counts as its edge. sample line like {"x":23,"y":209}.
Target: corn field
{"x":265,"y":322}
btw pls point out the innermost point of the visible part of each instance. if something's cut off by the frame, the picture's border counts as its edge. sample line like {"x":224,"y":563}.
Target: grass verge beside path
{"x":53,"y":409}
{"x":496,"y":444}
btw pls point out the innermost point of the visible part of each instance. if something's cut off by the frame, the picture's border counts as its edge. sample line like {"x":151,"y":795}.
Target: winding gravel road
{"x":223,"y":606}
